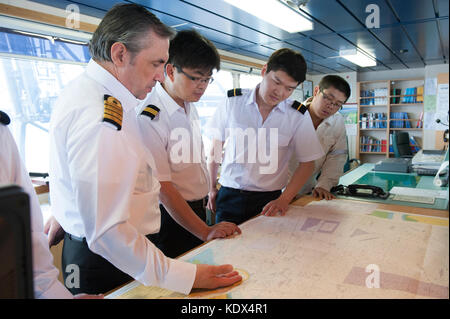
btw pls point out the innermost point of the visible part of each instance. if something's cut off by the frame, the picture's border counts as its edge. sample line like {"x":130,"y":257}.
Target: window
{"x":214,"y":95}
{"x":249,"y":80}
{"x":33,"y":70}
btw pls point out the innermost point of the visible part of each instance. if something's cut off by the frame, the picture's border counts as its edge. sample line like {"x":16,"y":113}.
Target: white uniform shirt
{"x":253,"y":164}
{"x":332,"y":136}
{"x":100,"y":186}
{"x":12,"y":171}
{"x":174,"y":139}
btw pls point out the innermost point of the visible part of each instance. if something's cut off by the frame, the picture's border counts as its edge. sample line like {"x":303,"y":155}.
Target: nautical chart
{"x":328,"y":249}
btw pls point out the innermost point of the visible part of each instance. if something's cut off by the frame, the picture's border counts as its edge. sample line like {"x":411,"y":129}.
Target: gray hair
{"x":128,"y":24}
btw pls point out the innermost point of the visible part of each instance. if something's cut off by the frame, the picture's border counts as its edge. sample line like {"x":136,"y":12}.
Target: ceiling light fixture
{"x":358,"y":58}
{"x":276,"y":13}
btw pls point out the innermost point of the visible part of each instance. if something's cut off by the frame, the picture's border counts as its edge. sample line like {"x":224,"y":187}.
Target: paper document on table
{"x":419,"y":192}
{"x":428,"y":160}
{"x":413,"y":199}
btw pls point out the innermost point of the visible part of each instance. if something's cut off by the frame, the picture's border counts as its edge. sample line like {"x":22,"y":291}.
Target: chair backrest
{"x":347,"y":165}
{"x":401,"y":144}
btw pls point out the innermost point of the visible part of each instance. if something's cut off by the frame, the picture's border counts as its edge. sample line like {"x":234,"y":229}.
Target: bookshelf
{"x":385,"y":107}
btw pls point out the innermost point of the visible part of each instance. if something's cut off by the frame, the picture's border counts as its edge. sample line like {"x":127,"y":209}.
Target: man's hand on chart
{"x":222,"y":229}
{"x":211,"y":277}
{"x":321,"y":193}
{"x":277,"y":206}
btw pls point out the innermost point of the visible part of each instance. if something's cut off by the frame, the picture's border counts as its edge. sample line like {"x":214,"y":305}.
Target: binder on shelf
{"x":406,"y":123}
{"x":414,"y":145}
{"x":396,"y":99}
{"x":405,"y":98}
{"x":364,"y":121}
{"x":419,"y":123}
{"x":383,"y":145}
{"x":420,"y":94}
{"x":391,"y":148}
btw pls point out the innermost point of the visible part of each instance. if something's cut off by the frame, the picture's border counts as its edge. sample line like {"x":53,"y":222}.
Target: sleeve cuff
{"x":180,"y":277}
{"x":326,"y":186}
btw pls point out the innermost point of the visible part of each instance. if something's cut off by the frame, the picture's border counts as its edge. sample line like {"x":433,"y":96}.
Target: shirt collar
{"x":110,"y":83}
{"x":252,"y":99}
{"x":169,"y":103}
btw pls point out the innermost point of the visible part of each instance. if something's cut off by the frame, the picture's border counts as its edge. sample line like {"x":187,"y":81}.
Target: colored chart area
{"x":329,"y":249}
{"x":410,"y":217}
{"x":426,"y":220}
{"x":382,"y":214}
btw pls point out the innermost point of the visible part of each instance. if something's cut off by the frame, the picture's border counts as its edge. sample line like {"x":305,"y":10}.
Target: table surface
{"x":321,"y":249}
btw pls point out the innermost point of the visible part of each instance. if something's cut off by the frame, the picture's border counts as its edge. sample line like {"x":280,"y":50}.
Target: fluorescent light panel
{"x":275,"y":13}
{"x":357,"y":58}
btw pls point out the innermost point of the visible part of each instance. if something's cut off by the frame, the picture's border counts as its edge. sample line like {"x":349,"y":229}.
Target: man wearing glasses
{"x":328,"y":97}
{"x":170,"y":127}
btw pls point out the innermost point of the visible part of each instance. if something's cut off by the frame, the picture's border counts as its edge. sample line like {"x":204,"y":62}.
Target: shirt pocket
{"x":242,"y":140}
{"x":283,"y":140}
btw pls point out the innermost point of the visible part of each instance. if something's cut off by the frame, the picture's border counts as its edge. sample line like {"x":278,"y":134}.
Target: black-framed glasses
{"x":331,"y":101}
{"x":195,"y":79}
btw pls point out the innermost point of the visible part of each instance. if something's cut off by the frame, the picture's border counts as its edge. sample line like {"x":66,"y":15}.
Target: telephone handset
{"x":360,"y":190}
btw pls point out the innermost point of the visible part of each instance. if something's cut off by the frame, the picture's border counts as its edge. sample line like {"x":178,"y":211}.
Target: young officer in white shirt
{"x":328,"y":97}
{"x":263,"y":128}
{"x":170,"y":127}
{"x":12,"y":171}
{"x":102,"y":190}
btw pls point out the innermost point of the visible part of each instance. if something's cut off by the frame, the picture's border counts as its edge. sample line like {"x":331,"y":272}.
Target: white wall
{"x":391,"y":74}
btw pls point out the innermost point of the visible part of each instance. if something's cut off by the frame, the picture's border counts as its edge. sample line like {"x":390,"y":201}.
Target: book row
{"x":397,"y":120}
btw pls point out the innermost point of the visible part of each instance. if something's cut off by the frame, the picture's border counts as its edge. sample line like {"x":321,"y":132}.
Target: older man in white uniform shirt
{"x":102,"y":191}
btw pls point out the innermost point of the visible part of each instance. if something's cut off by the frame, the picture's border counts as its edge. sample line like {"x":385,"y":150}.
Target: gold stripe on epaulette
{"x":116,"y":116}
{"x":154,"y":112}
{"x":151,"y":111}
{"x":113,"y":112}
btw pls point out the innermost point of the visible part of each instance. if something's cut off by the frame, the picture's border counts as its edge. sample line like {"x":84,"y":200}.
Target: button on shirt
{"x":174,"y":139}
{"x":12,"y":171}
{"x":259,"y":162}
{"x":101,"y":187}
{"x":332,"y":136}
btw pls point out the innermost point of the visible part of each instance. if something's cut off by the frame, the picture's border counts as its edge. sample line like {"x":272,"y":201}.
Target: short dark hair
{"x":337,"y":82}
{"x":125,"y":23}
{"x":189,"y":49}
{"x":289,"y":61}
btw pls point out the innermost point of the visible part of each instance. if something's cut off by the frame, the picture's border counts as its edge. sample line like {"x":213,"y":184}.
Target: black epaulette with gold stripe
{"x":4,"y":118}
{"x":113,"y":112}
{"x":299,"y":107}
{"x":151,"y":111}
{"x":234,"y":92}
